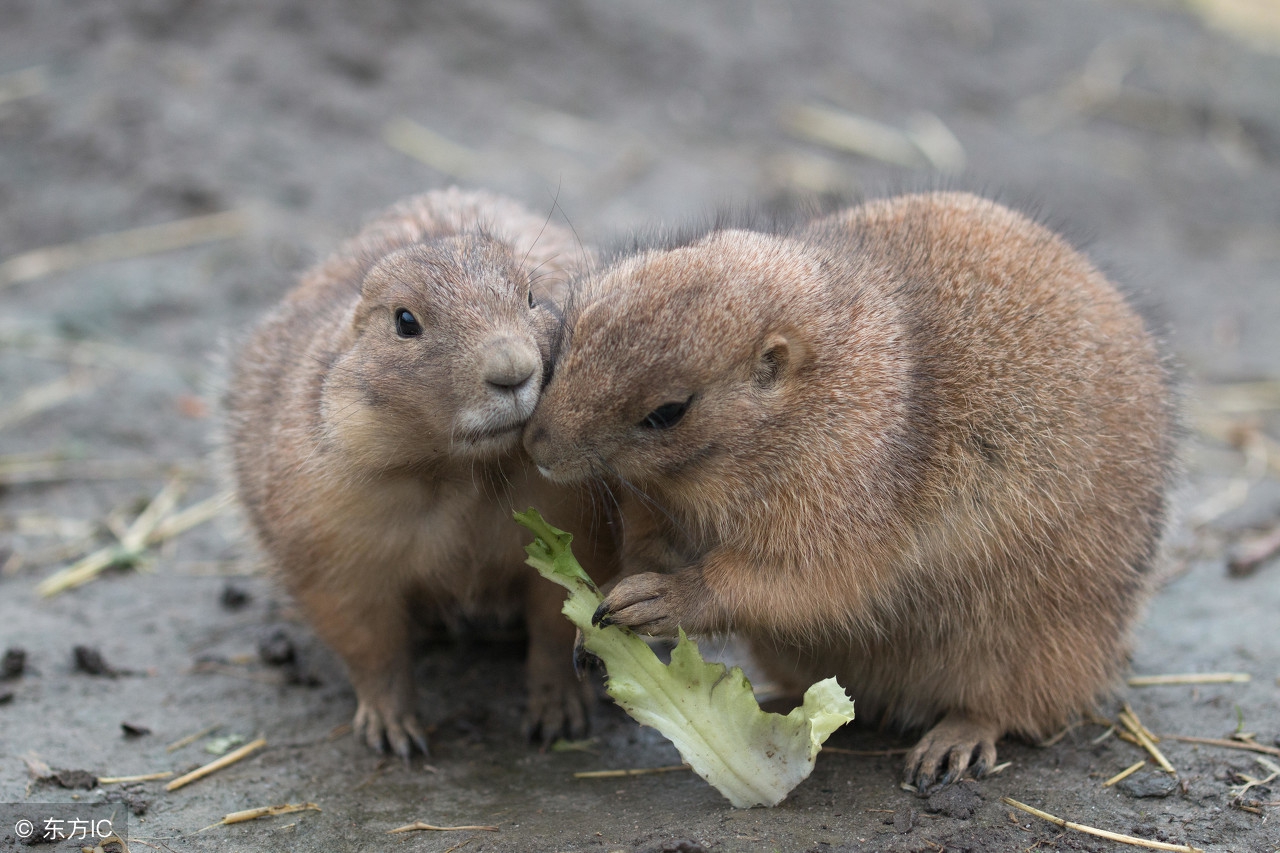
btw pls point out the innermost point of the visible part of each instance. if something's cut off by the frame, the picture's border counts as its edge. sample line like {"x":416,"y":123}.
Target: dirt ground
{"x":1142,"y":129}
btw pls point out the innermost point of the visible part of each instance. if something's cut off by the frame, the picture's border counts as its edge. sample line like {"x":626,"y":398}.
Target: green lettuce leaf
{"x":706,"y":709}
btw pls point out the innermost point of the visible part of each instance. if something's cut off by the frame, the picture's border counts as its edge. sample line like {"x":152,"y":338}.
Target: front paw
{"x":382,"y":723}
{"x":957,"y":746}
{"x":646,"y":603}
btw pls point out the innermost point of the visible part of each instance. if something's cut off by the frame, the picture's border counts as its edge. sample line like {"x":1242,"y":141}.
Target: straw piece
{"x":1251,"y":553}
{"x":1124,"y":774}
{"x":132,"y":544}
{"x":1053,"y":741}
{"x":154,"y":525}
{"x":111,"y":839}
{"x":634,"y":771}
{"x":192,"y":738}
{"x":1101,"y":833}
{"x":1256,"y":23}
{"x":419,"y":826}
{"x":1238,"y":791}
{"x":24,"y":471}
{"x":1240,"y":398}
{"x":50,"y":395}
{"x":1227,"y":744}
{"x":214,"y":766}
{"x":79,"y":351}
{"x":136,"y":242}
{"x":1131,"y":721}
{"x":936,"y":141}
{"x":40,"y":524}
{"x":192,"y":516}
{"x":1261,"y":451}
{"x":263,"y":811}
{"x":1190,"y":678}
{"x":24,"y":83}
{"x":81,"y":572}
{"x":839,"y":750}
{"x":854,"y":133}
{"x":136,"y":536}
{"x":427,"y":146}
{"x":1144,"y":738}
{"x":1100,"y":738}
{"x":145,"y":777}
{"x":927,"y":141}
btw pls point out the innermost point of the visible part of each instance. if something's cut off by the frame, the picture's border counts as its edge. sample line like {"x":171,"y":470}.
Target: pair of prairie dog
{"x":921,"y":444}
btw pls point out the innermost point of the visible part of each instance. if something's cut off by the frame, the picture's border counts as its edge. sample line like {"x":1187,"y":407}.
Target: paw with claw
{"x":648,"y":603}
{"x":386,"y":719}
{"x":957,"y":746}
{"x":558,"y":707}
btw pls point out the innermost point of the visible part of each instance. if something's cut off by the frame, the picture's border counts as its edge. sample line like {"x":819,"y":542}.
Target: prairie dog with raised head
{"x":922,"y":445}
{"x":374,"y":426}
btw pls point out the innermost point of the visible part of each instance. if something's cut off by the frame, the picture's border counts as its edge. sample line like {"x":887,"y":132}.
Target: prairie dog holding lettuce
{"x":922,"y":445}
{"x":374,"y":424}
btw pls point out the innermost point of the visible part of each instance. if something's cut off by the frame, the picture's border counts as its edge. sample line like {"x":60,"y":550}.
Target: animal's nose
{"x":510,"y":364}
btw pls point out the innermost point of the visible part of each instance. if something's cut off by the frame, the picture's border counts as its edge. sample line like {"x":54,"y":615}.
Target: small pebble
{"x":91,"y":662}
{"x":14,"y":663}
{"x":234,"y":597}
{"x":75,"y":779}
{"x":276,"y":648}
{"x":1149,"y":784}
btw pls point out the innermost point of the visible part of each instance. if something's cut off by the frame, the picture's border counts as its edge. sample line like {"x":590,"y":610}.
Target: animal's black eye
{"x":407,"y":325}
{"x":666,"y":416}
{"x":531,"y":297}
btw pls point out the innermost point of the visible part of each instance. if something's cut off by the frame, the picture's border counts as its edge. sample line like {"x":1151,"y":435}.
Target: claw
{"x":399,"y":744}
{"x":956,"y":747}
{"x":546,"y":729}
{"x":583,"y":660}
{"x":417,"y":736}
{"x":381,"y":732}
{"x":603,"y":617}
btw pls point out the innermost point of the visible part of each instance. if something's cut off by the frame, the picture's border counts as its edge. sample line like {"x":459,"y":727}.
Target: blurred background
{"x":168,"y":168}
{"x":1150,"y":131}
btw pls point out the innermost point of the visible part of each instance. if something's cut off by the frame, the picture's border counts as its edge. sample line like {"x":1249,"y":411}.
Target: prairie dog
{"x":921,"y":444}
{"x":374,"y":427}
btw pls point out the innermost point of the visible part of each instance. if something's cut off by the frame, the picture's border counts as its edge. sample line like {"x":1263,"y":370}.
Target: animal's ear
{"x":779,"y":353}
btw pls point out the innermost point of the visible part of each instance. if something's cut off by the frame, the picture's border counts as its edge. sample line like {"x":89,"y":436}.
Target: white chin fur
{"x":496,"y":414}
{"x":561,"y":476}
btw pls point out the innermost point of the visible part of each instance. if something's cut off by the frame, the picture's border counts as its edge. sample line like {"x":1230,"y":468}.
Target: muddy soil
{"x":1146,"y":133}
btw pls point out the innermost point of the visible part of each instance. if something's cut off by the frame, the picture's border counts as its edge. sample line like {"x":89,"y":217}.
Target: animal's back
{"x":1041,"y":450}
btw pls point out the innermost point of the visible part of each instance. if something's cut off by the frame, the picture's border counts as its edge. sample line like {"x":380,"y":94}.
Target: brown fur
{"x":927,"y":451}
{"x":380,"y":470}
